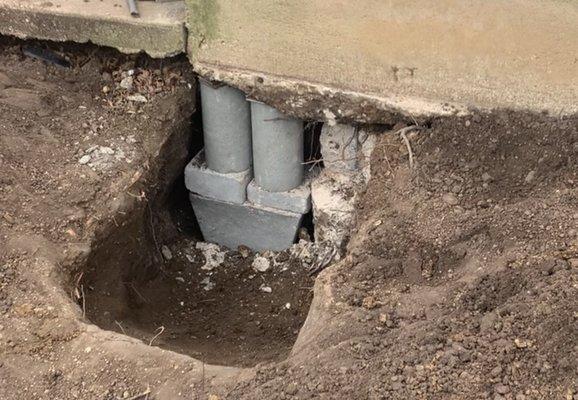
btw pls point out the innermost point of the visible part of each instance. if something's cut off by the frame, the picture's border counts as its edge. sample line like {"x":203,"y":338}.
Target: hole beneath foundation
{"x":151,"y":278}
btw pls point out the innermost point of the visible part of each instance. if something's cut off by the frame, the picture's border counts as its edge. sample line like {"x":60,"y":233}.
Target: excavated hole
{"x":222,"y":316}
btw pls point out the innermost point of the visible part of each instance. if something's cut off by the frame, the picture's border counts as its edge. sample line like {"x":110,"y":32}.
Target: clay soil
{"x":460,"y":280}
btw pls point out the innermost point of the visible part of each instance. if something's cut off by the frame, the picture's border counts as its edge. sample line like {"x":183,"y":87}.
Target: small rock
{"x":244,"y":251}
{"x":451,"y":199}
{"x":486,"y":177}
{"x":85,"y":159}
{"x":139,"y":98}
{"x":207,"y":284}
{"x":105,"y":89}
{"x":573,"y":262}
{"x":266,"y":289}
{"x":127,"y":83}
{"x":530,"y":177}
{"x":180,"y":279}
{"x":291,"y":389}
{"x":106,"y":150}
{"x":288,"y":306}
{"x":167,"y":254}
{"x":495,"y":372}
{"x":501,"y":388}
{"x":261,"y":264}
{"x":522,"y":344}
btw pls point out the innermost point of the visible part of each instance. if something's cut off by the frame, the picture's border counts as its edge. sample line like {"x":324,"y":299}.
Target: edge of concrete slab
{"x":315,"y":101}
{"x":159,"y":31}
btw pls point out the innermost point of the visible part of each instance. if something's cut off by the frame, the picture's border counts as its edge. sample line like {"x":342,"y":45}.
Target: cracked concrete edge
{"x":160,"y":32}
{"x":316,"y":101}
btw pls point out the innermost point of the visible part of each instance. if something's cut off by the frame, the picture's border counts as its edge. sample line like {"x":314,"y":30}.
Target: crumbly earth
{"x":460,"y":280}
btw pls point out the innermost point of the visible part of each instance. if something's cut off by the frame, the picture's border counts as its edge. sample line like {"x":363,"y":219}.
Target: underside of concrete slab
{"x":159,"y":30}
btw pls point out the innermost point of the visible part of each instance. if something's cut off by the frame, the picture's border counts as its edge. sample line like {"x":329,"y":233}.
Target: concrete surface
{"x":232,"y":225}
{"x":230,"y":187}
{"x":159,"y":31}
{"x":277,"y":149}
{"x":339,"y":147}
{"x":226,"y":128}
{"x":370,"y":58}
{"x":297,"y":200}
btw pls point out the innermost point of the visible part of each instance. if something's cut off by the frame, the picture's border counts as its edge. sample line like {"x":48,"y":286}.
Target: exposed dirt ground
{"x":460,"y":280}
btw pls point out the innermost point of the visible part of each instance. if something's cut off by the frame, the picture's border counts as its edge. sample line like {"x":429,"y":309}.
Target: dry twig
{"x":162,"y":329}
{"x":144,"y":395}
{"x":402,"y":133}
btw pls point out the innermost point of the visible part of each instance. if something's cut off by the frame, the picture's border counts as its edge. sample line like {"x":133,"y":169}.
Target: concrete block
{"x":232,"y":225}
{"x":296,"y":200}
{"x":339,"y":145}
{"x":201,"y":180}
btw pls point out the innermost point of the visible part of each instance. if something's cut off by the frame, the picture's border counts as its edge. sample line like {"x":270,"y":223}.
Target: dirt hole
{"x":152,"y":278}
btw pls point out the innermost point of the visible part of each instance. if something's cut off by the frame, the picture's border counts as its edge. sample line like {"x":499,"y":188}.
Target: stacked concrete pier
{"x":247,"y":186}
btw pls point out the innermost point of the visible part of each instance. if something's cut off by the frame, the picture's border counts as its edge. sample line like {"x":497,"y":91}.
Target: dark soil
{"x":221,"y":316}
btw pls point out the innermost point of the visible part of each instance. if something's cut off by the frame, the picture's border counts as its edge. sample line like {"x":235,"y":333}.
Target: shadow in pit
{"x":146,"y":278}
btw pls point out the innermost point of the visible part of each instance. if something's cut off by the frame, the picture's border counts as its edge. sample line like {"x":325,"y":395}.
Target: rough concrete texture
{"x":411,"y":57}
{"x":230,"y":187}
{"x":335,"y":192}
{"x":159,"y":31}
{"x":297,"y":200}
{"x":339,"y":143}
{"x":232,"y":225}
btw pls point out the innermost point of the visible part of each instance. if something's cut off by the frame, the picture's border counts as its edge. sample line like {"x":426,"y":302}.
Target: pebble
{"x":530,"y":177}
{"x":266,"y":289}
{"x":501,"y":388}
{"x":139,"y":98}
{"x":486,"y":177}
{"x":167,"y":254}
{"x":85,"y":159}
{"x":451,"y":199}
{"x":261,"y":264}
{"x":127,"y":83}
{"x":291,"y":389}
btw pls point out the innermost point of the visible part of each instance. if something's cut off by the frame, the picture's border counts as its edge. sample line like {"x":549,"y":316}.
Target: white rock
{"x":266,"y":289}
{"x":180,"y":279}
{"x":261,"y":264}
{"x":139,"y":98}
{"x":127,"y":83}
{"x":207,"y":284}
{"x":214,"y":257}
{"x":84,"y":159}
{"x":106,"y":150}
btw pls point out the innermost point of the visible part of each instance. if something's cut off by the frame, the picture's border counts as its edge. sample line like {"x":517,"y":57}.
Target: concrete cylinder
{"x":277,"y":149}
{"x":227,"y":128}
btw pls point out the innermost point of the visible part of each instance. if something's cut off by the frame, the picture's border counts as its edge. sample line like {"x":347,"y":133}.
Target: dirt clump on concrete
{"x":460,"y":278}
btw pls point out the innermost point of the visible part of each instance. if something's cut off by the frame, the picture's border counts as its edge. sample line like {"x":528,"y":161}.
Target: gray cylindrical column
{"x":227,"y":128}
{"x":277,"y":149}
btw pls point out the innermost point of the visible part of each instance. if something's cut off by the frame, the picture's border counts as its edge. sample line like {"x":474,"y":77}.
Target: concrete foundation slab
{"x":232,"y":225}
{"x":201,"y":180}
{"x":159,"y":30}
{"x":296,"y":200}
